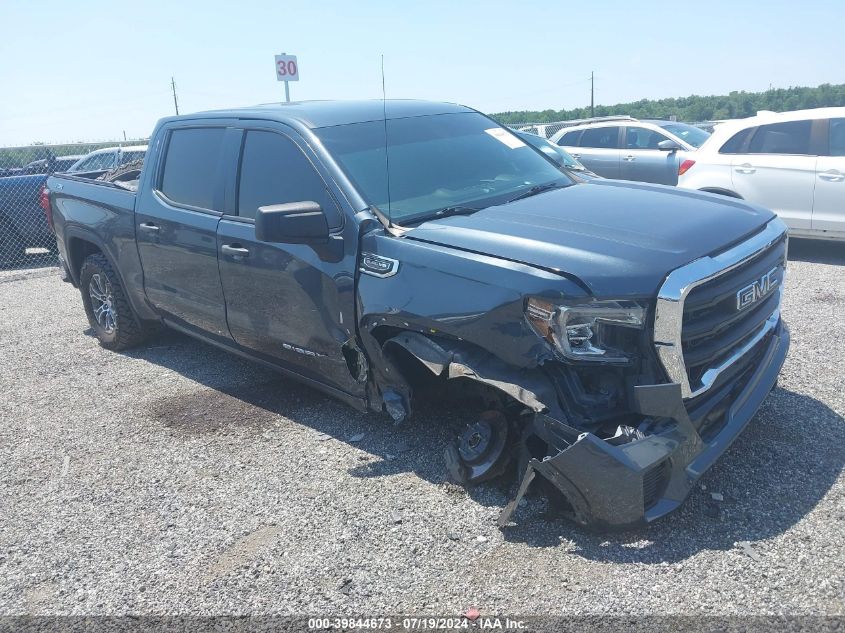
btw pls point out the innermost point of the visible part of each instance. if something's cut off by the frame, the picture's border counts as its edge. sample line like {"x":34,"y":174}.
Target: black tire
{"x":111,"y":317}
{"x":12,"y":249}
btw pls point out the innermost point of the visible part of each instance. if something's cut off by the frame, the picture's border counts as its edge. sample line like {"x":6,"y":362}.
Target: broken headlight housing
{"x":605,"y":331}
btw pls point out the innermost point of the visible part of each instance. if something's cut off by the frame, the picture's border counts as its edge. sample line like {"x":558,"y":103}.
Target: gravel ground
{"x":179,"y":479}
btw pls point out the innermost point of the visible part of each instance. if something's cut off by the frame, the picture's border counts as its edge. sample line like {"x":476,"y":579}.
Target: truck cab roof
{"x":318,"y":114}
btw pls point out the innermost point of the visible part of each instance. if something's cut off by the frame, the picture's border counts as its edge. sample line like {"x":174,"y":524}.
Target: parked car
{"x":22,"y":222}
{"x":557,"y":155}
{"x":630,"y":149}
{"x":108,"y":158}
{"x":49,"y":165}
{"x":793,"y":163}
{"x":614,"y":338}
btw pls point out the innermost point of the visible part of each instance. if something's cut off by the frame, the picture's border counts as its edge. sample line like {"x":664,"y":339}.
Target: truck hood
{"x":620,"y":239}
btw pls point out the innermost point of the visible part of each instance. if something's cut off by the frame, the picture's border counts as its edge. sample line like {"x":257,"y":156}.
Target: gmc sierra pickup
{"x":617,"y":337}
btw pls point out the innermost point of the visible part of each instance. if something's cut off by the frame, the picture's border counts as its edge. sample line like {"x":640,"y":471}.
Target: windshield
{"x":695,"y":136}
{"x":65,"y":162}
{"x":436,"y":163}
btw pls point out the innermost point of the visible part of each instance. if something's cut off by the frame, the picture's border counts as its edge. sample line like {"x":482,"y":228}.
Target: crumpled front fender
{"x":454,"y":359}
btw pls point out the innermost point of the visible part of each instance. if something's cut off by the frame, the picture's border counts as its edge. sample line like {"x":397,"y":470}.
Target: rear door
{"x":643,"y":161}
{"x":176,"y":228}
{"x":599,"y":151}
{"x":779,"y":171}
{"x":291,"y":304}
{"x":829,"y":197}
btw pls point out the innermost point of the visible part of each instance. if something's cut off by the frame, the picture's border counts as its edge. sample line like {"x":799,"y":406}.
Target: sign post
{"x":287,"y":69}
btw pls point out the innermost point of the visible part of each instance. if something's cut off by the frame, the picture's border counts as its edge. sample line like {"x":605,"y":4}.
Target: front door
{"x":829,"y":200}
{"x":176,"y":229}
{"x":643,"y":161}
{"x":292,"y":304}
{"x":779,"y":171}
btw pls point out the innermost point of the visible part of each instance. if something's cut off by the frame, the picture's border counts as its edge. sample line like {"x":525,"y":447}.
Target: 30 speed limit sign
{"x":287,"y":68}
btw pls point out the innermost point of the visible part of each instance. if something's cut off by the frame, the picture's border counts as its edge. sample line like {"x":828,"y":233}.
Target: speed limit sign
{"x":287,"y":68}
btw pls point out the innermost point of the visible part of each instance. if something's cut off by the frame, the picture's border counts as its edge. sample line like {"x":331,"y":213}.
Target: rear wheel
{"x":109,"y":313}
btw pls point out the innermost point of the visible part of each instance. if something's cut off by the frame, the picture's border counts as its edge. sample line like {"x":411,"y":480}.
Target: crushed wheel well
{"x":420,"y":358}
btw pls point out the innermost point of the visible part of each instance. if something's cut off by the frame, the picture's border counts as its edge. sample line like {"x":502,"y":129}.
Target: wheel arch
{"x":80,"y":243}
{"x":451,"y":360}
{"x":79,"y":248}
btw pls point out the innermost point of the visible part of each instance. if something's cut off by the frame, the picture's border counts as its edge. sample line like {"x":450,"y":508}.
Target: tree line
{"x":736,"y":105}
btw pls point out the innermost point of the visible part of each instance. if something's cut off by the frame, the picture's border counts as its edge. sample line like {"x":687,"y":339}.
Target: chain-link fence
{"x":26,"y":239}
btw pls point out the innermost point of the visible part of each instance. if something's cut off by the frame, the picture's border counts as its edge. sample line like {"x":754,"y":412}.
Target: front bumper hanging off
{"x":613,"y":487}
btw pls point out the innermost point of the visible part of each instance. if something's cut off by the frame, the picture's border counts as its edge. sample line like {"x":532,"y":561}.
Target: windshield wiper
{"x":533,"y":191}
{"x":445,"y":212}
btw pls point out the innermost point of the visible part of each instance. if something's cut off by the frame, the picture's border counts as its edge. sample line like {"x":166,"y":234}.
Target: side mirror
{"x":668,"y":146}
{"x":292,"y":223}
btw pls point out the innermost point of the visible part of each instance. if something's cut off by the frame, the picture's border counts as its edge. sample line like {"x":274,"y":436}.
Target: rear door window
{"x":789,"y":137}
{"x":190,"y":166}
{"x":837,"y":137}
{"x":600,"y":137}
{"x":735,"y":143}
{"x":570,"y":139}
{"x":275,"y":171}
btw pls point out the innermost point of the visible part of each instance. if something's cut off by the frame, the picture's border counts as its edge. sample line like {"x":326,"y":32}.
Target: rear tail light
{"x":685,"y":166}
{"x":44,"y":202}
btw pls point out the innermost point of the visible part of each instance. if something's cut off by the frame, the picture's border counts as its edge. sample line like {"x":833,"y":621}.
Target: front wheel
{"x":108,"y":311}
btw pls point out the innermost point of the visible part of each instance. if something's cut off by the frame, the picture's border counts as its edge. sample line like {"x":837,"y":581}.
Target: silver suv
{"x":631,"y":149}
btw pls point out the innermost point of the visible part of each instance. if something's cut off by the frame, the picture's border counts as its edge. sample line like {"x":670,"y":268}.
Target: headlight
{"x":598,"y":330}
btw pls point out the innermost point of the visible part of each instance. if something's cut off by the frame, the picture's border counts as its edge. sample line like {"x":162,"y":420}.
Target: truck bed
{"x":96,"y":211}
{"x":85,"y":191}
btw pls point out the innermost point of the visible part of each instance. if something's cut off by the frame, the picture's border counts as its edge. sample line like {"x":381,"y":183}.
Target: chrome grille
{"x":713,"y":325}
{"x":701,"y":331}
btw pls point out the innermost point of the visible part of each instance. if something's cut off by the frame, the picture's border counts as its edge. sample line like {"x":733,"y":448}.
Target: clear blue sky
{"x":85,"y":70}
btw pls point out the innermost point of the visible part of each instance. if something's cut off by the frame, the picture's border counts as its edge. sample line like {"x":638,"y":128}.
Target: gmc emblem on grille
{"x":756,"y":290}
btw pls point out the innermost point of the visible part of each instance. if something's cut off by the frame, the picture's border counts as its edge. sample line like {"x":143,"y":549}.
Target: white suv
{"x":792,"y":163}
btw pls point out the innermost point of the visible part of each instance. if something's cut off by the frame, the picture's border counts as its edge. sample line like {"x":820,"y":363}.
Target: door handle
{"x":149,"y":227}
{"x":745,"y":168}
{"x":832,"y":175}
{"x":629,"y":158}
{"x":235,"y":250}
{"x":575,"y":155}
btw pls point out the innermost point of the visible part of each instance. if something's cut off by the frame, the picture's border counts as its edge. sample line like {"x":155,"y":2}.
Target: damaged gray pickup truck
{"x":617,"y":337}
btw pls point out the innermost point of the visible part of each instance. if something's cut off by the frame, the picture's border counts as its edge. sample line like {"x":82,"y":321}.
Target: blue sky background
{"x":86,"y":70}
